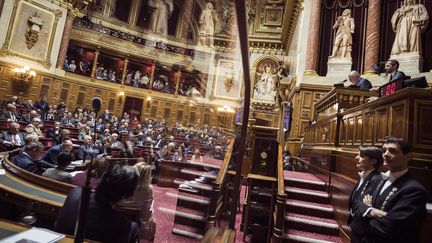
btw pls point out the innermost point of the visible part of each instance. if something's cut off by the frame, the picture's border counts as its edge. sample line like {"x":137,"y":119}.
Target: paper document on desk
{"x":34,"y":235}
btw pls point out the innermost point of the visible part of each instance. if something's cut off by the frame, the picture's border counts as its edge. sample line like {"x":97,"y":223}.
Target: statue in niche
{"x":32,"y":33}
{"x":344,"y":27}
{"x":408,"y":22}
{"x":207,"y":23}
{"x":265,"y":88}
{"x":162,"y":10}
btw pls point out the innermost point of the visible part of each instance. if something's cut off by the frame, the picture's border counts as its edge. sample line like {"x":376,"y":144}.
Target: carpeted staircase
{"x":309,"y":215}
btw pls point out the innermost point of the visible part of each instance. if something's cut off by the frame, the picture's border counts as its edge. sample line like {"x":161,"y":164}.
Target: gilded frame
{"x":219,"y":78}
{"x":6,"y":46}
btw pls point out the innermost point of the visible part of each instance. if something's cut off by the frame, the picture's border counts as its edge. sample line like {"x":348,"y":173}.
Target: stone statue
{"x":162,"y":12}
{"x":408,"y":22}
{"x":207,"y":25}
{"x":265,"y":88}
{"x":344,"y":29}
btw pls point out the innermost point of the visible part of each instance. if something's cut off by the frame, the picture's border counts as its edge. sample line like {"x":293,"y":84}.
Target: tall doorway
{"x":133,"y":107}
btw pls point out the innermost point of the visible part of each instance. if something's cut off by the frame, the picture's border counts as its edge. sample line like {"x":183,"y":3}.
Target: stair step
{"x":187,"y":201}
{"x":307,"y":184}
{"x":309,"y":208}
{"x":187,"y":233}
{"x":194,"y":188}
{"x":301,"y":175}
{"x":311,"y":225}
{"x":198,"y":173}
{"x":308,"y":237}
{"x":307,"y":195}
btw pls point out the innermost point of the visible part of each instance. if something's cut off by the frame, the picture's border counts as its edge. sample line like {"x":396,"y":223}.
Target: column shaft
{"x":372,"y":35}
{"x":313,"y":38}
{"x":65,"y":39}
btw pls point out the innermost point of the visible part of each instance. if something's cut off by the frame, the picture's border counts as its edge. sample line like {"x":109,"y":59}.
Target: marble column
{"x":372,"y":36}
{"x":95,"y":61}
{"x":187,"y":15}
{"x":313,"y":38}
{"x":178,"y":75}
{"x":125,"y":67}
{"x":65,"y":39}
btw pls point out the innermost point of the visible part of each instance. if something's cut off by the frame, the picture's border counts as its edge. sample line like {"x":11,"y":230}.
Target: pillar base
{"x":370,"y":73}
{"x":410,"y":63}
{"x":310,"y":73}
{"x":338,"y":67}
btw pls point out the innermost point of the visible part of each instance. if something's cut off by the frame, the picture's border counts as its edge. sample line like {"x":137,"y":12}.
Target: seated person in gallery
{"x":35,"y":127}
{"x":29,"y":105}
{"x":28,"y":158}
{"x":217,"y":153}
{"x":391,"y":67}
{"x":103,"y":223}
{"x":179,"y":155}
{"x":99,"y":72}
{"x":72,"y":66}
{"x":358,"y":82}
{"x":59,"y":172}
{"x":196,"y":157}
{"x":10,"y":113}
{"x":12,"y":138}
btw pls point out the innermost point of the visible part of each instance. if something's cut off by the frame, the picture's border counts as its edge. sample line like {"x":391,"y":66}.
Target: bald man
{"x":359,"y":82}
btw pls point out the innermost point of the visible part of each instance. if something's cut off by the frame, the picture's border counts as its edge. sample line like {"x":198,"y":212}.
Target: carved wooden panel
{"x":368,"y":128}
{"x":343,"y":131}
{"x":358,"y":131}
{"x":350,"y":131}
{"x":381,"y":125}
{"x":398,"y":121}
{"x":333,"y":132}
{"x":307,"y":99}
{"x":422,"y":126}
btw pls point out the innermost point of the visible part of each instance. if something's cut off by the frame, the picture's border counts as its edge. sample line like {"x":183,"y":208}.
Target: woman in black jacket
{"x":369,"y":160}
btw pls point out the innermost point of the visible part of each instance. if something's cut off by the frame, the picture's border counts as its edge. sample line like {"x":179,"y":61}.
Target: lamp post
{"x":23,"y":79}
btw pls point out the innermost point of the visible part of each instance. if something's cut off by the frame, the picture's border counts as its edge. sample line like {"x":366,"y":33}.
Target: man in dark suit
{"x":43,"y":106}
{"x":12,"y":138}
{"x":52,"y":153}
{"x":55,"y":133}
{"x":395,"y":211}
{"x":103,"y":224}
{"x":86,"y":150}
{"x":391,"y":67}
{"x":10,"y":113}
{"x":359,"y":82}
{"x":29,"y":157}
{"x":28,"y":117}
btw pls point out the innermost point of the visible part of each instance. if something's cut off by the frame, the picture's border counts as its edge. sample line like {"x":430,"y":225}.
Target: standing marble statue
{"x":162,"y":12}
{"x":408,"y":22}
{"x":207,"y":25}
{"x":344,"y":27}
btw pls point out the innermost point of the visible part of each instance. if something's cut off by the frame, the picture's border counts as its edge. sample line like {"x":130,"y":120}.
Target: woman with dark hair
{"x":369,"y":160}
{"x":103,"y":223}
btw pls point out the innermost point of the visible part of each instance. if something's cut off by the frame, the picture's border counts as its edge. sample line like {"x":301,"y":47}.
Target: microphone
{"x":340,"y":84}
{"x":96,"y":104}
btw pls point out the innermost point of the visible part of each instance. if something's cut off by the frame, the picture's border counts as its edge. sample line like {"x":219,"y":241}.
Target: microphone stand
{"x":85,"y":197}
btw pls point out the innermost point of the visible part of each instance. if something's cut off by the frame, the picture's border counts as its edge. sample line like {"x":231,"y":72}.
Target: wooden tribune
{"x":332,"y":143}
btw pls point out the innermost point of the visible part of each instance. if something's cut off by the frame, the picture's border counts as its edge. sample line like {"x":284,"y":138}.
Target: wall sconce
{"x":149,"y":98}
{"x":121,"y":95}
{"x":23,"y":79}
{"x":226,"y":109}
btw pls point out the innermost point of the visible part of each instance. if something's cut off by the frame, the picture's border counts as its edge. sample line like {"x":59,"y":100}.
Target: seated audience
{"x":28,"y":117}
{"x":217,"y":153}
{"x":10,"y":113}
{"x":396,"y":209}
{"x":29,"y":157}
{"x":55,"y":133}
{"x":179,"y":155}
{"x":59,"y":172}
{"x":29,"y":105}
{"x":143,"y":199}
{"x":12,"y":138}
{"x":52,"y":153}
{"x":103,"y":223}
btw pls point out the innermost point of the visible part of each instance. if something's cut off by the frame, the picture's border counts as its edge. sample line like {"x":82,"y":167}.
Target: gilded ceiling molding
{"x":292,"y":19}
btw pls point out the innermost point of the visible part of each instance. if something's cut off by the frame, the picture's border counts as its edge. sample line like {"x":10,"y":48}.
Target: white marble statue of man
{"x":207,"y":25}
{"x":344,"y":27}
{"x":162,"y":12}
{"x":408,"y":22}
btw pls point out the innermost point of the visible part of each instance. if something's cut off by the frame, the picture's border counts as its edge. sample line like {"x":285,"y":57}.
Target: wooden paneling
{"x":368,"y":128}
{"x":381,"y":125}
{"x":422,"y":127}
{"x":358,"y":131}
{"x":398,"y":118}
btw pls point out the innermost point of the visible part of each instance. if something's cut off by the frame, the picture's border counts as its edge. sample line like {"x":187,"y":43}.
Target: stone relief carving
{"x":32,"y":33}
{"x":408,"y":22}
{"x":207,"y":21}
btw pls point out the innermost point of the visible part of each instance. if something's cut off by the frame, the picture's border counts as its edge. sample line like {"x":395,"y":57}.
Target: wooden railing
{"x":217,"y":193}
{"x":279,"y":214}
